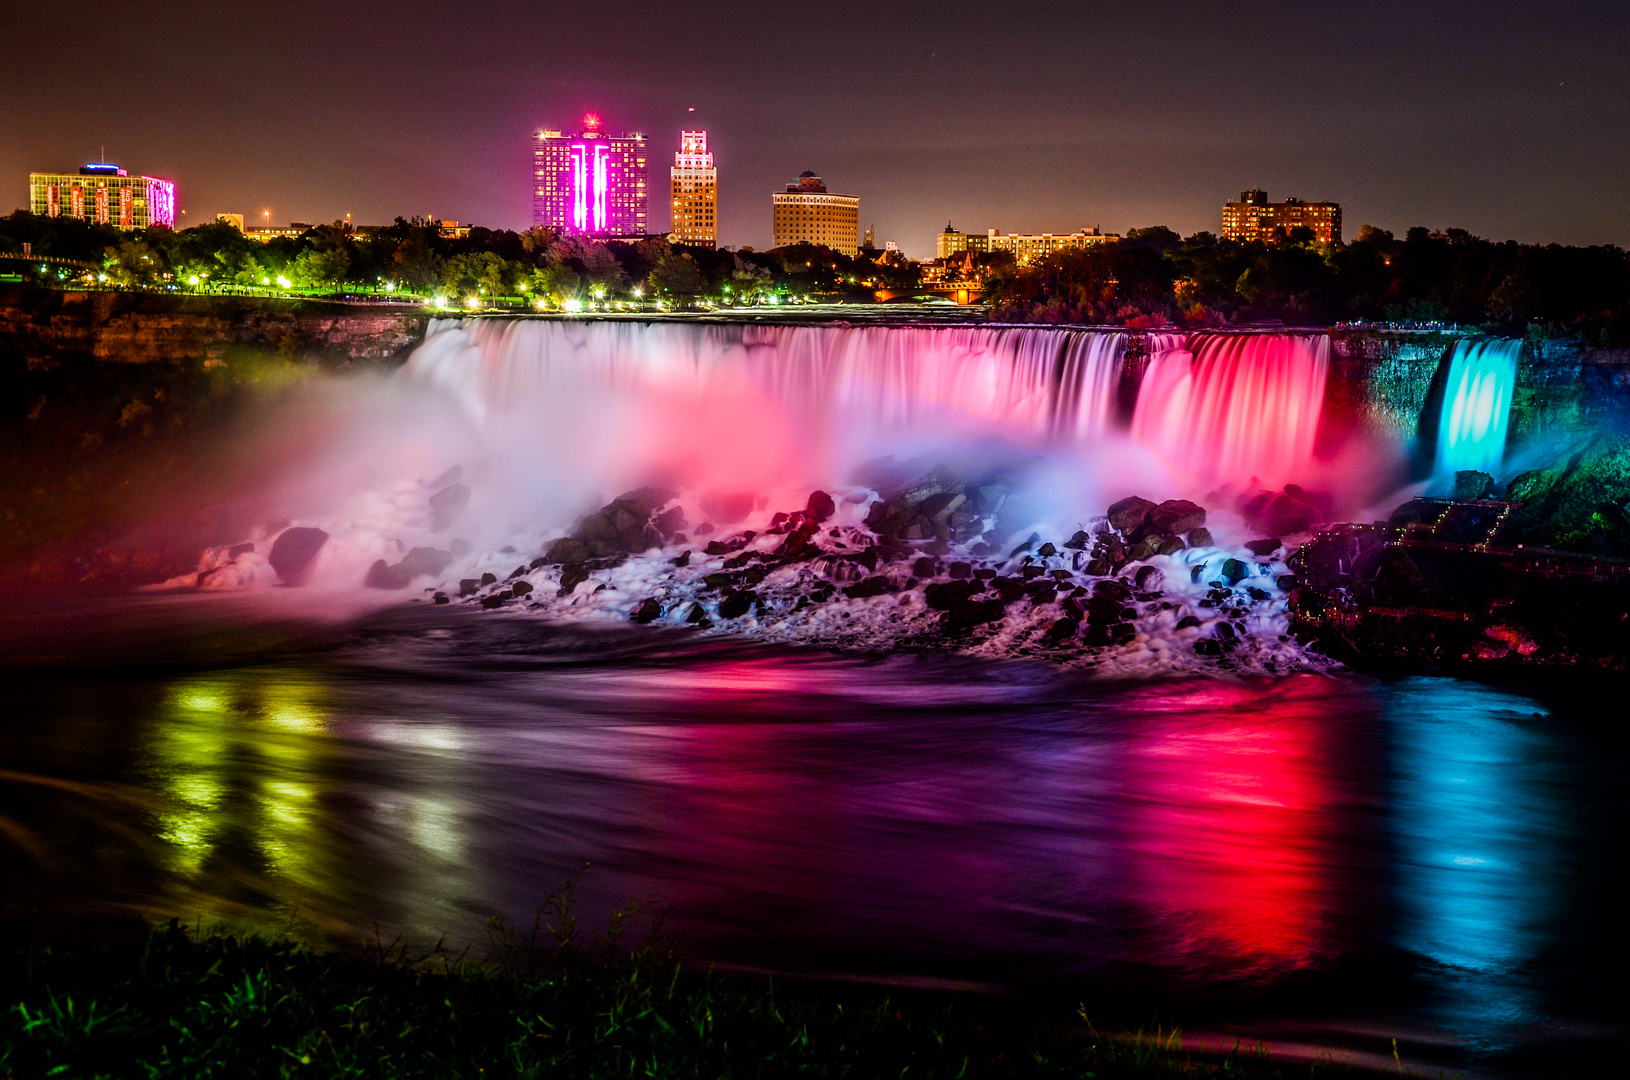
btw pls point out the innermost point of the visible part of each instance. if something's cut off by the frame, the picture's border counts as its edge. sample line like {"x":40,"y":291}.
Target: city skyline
{"x":1431,"y":115}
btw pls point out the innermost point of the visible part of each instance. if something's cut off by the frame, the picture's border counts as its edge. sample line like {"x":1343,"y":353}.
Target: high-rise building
{"x":1022,"y":246}
{"x":105,"y":194}
{"x":806,"y":213}
{"x":590,"y":181}
{"x":1253,"y":217}
{"x":695,"y":184}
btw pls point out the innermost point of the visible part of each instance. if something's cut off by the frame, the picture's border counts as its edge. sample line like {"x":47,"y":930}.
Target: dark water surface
{"x":1335,"y":860}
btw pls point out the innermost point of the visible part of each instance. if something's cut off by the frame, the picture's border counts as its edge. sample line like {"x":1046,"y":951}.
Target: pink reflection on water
{"x":1232,"y":795}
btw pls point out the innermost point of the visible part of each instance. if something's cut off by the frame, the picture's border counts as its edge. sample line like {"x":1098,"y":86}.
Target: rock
{"x":496,"y":600}
{"x":682,"y":560}
{"x":1280,"y":514}
{"x":725,"y":547}
{"x":520,"y":588}
{"x":1026,"y":546}
{"x":1097,"y":567}
{"x":872,"y":586}
{"x":468,"y":586}
{"x":1170,"y":546}
{"x":441,"y":598}
{"x":489,"y":579}
{"x":728,"y":507}
{"x":1471,"y":484}
{"x":967,"y":613}
{"x":460,"y":548}
{"x":1199,"y":538}
{"x":1255,"y":593}
{"x":820,"y":507}
{"x":888,"y":519}
{"x":1234,"y":571}
{"x":573,"y":576}
{"x":924,"y":567}
{"x":451,"y":476}
{"x":519,"y":571}
{"x":1046,"y":550}
{"x":423,"y":560}
{"x":1062,"y":630}
{"x":1130,"y":513}
{"x":1287,"y":582}
{"x":1079,"y":541}
{"x":1177,"y":516}
{"x":293,"y":551}
{"x":945,"y":595}
{"x":696,"y":614}
{"x":446,"y":505}
{"x":1263,"y":548}
{"x":1140,"y":551}
{"x":648,"y":611}
{"x":961,"y":570}
{"x":670,"y":521}
{"x":382,"y":575}
{"x":1187,"y":621}
{"x":704,"y":529}
{"x":1150,"y":579}
{"x":1208,"y":647}
{"x":567,"y":550}
{"x":1007,"y":588}
{"x":737,"y":604}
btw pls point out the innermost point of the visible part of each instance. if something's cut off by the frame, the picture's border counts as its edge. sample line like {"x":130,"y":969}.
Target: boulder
{"x":423,"y":560}
{"x":737,"y":604}
{"x":1150,"y":579}
{"x":520,"y":588}
{"x":1234,"y":571}
{"x":441,"y":598}
{"x":1199,"y":538}
{"x":649,"y":610}
{"x":1079,"y":541}
{"x":945,"y":595}
{"x":567,"y":550}
{"x":1130,"y":513}
{"x":1062,"y":630}
{"x":468,"y":586}
{"x":1281,"y":514}
{"x":1176,"y":516}
{"x":820,"y":507}
{"x":875,"y":585}
{"x":966,"y":613}
{"x":382,"y":575}
{"x":670,"y":521}
{"x":293,"y":551}
{"x":446,"y":505}
{"x":1471,"y":484}
{"x":1263,"y":548}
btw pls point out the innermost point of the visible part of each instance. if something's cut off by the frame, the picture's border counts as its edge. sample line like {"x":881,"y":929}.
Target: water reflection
{"x":1482,"y":842}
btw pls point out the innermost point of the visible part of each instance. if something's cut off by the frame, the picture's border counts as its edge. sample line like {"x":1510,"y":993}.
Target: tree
{"x":133,"y":263}
{"x":320,"y":268}
{"x":748,"y":280}
{"x":416,"y":263}
{"x":678,"y":276}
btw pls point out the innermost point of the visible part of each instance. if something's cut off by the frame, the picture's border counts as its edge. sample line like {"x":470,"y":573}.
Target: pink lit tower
{"x":590,"y":181}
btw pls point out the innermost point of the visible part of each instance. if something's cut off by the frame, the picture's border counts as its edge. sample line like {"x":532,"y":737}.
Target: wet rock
{"x":573,"y":576}
{"x":1234,"y":571}
{"x":446,"y":505}
{"x":1129,"y":514}
{"x":1263,"y":548}
{"x":441,"y":598}
{"x":468,"y":586}
{"x":451,"y":476}
{"x":1256,"y":594}
{"x":1287,"y":582}
{"x":1171,"y":545}
{"x":648,"y":611}
{"x":1062,"y":630}
{"x":670,"y":521}
{"x":567,"y":550}
{"x":1208,"y":647}
{"x":1150,"y":579}
{"x":820,"y":507}
{"x":872,"y":586}
{"x":696,"y":614}
{"x":1199,"y":538}
{"x":1046,"y":550}
{"x":489,"y":579}
{"x":1097,"y":567}
{"x":737,"y":604}
{"x":1471,"y":484}
{"x":382,"y":575}
{"x":1177,"y":516}
{"x":423,"y":560}
{"x":496,"y":600}
{"x":293,"y":551}
{"x":1139,"y":551}
{"x":1009,"y":589}
{"x":1026,"y":546}
{"x":1030,"y":573}
{"x":728,"y":507}
{"x":704,"y":529}
{"x":968,"y":613}
{"x":519,"y":571}
{"x":924,"y":567}
{"x":1043,"y":592}
{"x":682,"y":560}
{"x":1280,"y":514}
{"x":734,"y":543}
{"x":1197,"y":571}
{"x":961,"y":570}
{"x":1187,"y":621}
{"x":520,"y":588}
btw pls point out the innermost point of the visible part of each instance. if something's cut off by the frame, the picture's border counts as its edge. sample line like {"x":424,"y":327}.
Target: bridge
{"x":960,"y":292}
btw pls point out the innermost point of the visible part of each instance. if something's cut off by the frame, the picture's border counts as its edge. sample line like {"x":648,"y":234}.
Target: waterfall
{"x":1477,"y":405}
{"x":1231,"y":407}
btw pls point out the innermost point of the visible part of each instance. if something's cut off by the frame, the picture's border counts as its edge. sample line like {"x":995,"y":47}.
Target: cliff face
{"x":45,"y":327}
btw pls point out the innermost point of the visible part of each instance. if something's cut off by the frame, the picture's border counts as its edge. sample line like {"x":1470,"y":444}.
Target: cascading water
{"x":1232,"y":407}
{"x":716,"y":427}
{"x":1477,"y":406}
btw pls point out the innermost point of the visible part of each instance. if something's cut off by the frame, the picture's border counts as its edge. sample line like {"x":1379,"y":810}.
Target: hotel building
{"x":1253,"y":217}
{"x":105,"y":194}
{"x":695,"y":184}
{"x":1024,"y":247}
{"x":806,"y":213}
{"x":590,"y":181}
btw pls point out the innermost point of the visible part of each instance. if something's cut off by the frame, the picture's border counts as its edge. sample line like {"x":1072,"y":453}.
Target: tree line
{"x":417,"y":258}
{"x":1154,"y":277}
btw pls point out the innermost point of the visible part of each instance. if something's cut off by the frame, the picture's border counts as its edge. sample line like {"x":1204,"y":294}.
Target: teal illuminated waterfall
{"x":1477,"y":405}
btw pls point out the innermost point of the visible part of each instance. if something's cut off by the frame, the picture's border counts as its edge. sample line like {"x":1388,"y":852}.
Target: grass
{"x":186,"y":1003}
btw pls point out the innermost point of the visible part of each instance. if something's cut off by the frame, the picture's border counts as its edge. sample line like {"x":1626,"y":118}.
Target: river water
{"x":1334,"y":860}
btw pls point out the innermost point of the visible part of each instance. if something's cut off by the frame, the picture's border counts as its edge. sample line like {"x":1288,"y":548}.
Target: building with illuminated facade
{"x":1024,"y":247}
{"x":695,"y":184}
{"x":105,"y":194}
{"x":590,"y":181}
{"x":806,"y":213}
{"x":1253,"y":217}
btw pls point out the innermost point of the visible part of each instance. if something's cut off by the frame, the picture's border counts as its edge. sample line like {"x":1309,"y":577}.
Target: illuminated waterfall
{"x":1235,"y":406}
{"x":1477,"y":405}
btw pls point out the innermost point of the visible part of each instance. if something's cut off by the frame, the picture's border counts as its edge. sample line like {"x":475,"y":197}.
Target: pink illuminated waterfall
{"x":1235,"y":406}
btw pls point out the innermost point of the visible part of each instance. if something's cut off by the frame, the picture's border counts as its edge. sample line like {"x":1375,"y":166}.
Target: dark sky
{"x":1509,"y":119}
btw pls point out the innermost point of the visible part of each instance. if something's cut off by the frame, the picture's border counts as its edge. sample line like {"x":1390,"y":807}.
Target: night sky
{"x":1508,"y":119}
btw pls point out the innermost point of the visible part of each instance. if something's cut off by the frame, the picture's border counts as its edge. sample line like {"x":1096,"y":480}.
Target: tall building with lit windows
{"x":806,"y":213}
{"x":590,"y":181}
{"x":105,"y":194}
{"x":695,"y":184}
{"x":1253,"y":217}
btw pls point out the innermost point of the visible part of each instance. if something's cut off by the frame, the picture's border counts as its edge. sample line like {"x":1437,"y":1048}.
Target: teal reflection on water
{"x":1480,"y":838}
